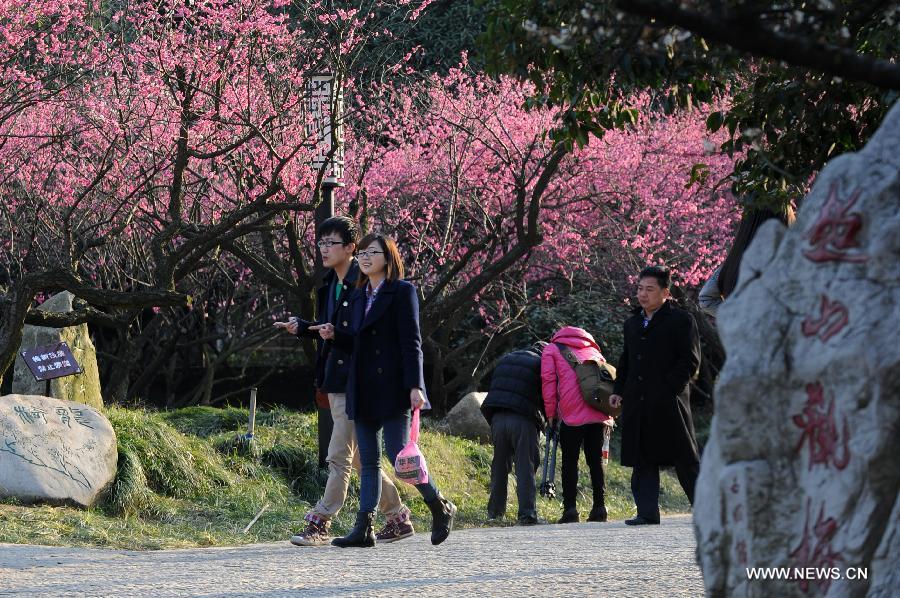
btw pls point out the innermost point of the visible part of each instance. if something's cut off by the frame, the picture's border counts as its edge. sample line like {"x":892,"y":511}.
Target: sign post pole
{"x":251,"y":427}
{"x":325,"y":102}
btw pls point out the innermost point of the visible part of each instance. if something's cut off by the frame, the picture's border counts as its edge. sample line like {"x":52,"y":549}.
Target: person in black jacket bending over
{"x":515,"y":410}
{"x":661,"y":356}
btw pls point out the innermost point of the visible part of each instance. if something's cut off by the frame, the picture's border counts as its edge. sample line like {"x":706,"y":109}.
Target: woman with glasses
{"x":337,"y":239}
{"x":385,"y":380}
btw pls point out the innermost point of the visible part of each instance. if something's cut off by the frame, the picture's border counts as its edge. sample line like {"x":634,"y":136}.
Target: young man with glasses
{"x":337,"y":240}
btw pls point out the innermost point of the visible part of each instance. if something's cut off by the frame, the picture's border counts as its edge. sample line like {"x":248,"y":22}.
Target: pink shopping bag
{"x":410,"y":463}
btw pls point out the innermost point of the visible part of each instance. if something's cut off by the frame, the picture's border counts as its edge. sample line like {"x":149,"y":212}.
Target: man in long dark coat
{"x":661,"y":356}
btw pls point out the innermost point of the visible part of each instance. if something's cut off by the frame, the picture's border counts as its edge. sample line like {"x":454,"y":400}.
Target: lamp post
{"x":325,"y":127}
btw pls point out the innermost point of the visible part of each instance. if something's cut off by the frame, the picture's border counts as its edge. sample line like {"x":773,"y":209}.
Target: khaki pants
{"x":342,"y":455}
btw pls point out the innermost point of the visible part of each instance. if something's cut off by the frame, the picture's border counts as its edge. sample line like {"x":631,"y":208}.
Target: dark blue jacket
{"x":516,"y":387}
{"x":387,"y":351}
{"x":332,"y":363}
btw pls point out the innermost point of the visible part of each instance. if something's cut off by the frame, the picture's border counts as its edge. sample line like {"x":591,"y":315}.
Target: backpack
{"x":595,"y":379}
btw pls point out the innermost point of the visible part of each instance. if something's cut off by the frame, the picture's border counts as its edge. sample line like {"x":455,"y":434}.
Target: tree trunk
{"x":128,"y":355}
{"x":437,"y":394}
{"x":13,"y":309}
{"x":150,"y":370}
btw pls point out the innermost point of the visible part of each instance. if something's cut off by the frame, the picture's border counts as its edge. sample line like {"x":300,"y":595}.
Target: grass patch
{"x":185,"y":479}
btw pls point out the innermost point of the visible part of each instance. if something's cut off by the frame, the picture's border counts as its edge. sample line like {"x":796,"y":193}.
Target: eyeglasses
{"x":369,"y":253}
{"x":328,"y":243}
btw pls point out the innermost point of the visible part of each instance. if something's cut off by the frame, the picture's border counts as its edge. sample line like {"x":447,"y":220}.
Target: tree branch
{"x":85,"y":315}
{"x":62,"y":280}
{"x":748,"y":36}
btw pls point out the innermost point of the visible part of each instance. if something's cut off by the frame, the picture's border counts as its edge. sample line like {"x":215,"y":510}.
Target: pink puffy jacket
{"x":559,"y":382}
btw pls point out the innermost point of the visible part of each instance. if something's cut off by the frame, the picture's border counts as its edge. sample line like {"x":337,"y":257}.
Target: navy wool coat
{"x":386,"y":349}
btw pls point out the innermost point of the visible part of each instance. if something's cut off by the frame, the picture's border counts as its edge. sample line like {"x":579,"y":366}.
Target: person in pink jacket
{"x":580,"y":425}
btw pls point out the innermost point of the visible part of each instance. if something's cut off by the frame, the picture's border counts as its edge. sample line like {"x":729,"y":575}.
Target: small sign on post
{"x":51,"y":361}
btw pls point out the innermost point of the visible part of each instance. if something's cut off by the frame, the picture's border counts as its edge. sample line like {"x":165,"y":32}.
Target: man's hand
{"x":416,"y":398}
{"x":615,"y":401}
{"x":291,"y":325}
{"x":326,"y":331}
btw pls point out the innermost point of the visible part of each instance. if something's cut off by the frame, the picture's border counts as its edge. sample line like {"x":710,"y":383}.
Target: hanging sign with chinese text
{"x":51,"y":361}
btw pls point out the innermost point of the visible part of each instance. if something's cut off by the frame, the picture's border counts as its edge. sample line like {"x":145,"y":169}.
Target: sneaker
{"x":315,"y":534}
{"x":395,"y":530}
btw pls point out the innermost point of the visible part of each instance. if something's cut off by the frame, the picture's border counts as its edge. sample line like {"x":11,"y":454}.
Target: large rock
{"x":801,"y":466}
{"x":466,"y":421}
{"x":81,"y":388}
{"x":60,"y":452}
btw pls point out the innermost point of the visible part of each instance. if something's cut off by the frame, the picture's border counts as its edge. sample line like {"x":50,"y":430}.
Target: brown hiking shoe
{"x":315,"y":534}
{"x":395,"y":530}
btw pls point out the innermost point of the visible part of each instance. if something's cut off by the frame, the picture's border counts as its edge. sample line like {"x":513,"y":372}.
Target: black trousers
{"x":571,"y":440}
{"x":515,"y":440}
{"x":645,"y":485}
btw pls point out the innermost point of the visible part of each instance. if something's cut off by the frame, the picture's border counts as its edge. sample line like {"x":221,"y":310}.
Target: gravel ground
{"x":587,"y":559}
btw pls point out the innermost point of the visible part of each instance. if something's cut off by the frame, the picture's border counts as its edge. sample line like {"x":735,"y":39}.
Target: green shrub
{"x":298,"y":465}
{"x":207,"y":421}
{"x":237,"y":445}
{"x":128,"y":494}
{"x":174,"y":464}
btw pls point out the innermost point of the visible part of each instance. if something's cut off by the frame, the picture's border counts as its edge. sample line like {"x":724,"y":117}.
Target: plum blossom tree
{"x":137,"y":139}
{"x":154,"y":160}
{"x":492,"y":213}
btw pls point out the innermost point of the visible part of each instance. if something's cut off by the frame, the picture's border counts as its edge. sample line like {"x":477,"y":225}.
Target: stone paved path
{"x":588,"y":559}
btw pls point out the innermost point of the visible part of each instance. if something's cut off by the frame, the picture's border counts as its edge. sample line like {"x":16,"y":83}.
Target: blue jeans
{"x":369,"y":434}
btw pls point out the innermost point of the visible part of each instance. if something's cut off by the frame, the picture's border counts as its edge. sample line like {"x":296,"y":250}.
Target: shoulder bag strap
{"x":568,"y":354}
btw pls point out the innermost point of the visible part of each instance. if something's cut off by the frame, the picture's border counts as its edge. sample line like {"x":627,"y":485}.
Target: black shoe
{"x":569,"y":516}
{"x":598,"y":514}
{"x":362,"y":535}
{"x":641,"y":521}
{"x":528,"y":520}
{"x":442,"y":513}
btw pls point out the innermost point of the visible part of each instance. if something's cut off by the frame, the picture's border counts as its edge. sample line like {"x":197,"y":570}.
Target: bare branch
{"x":746,"y":34}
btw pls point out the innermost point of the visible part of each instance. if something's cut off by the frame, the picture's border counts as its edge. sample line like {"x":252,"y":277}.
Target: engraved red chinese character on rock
{"x":832,"y":319}
{"x":819,"y":427}
{"x":815,"y":548}
{"x":835,"y":231}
